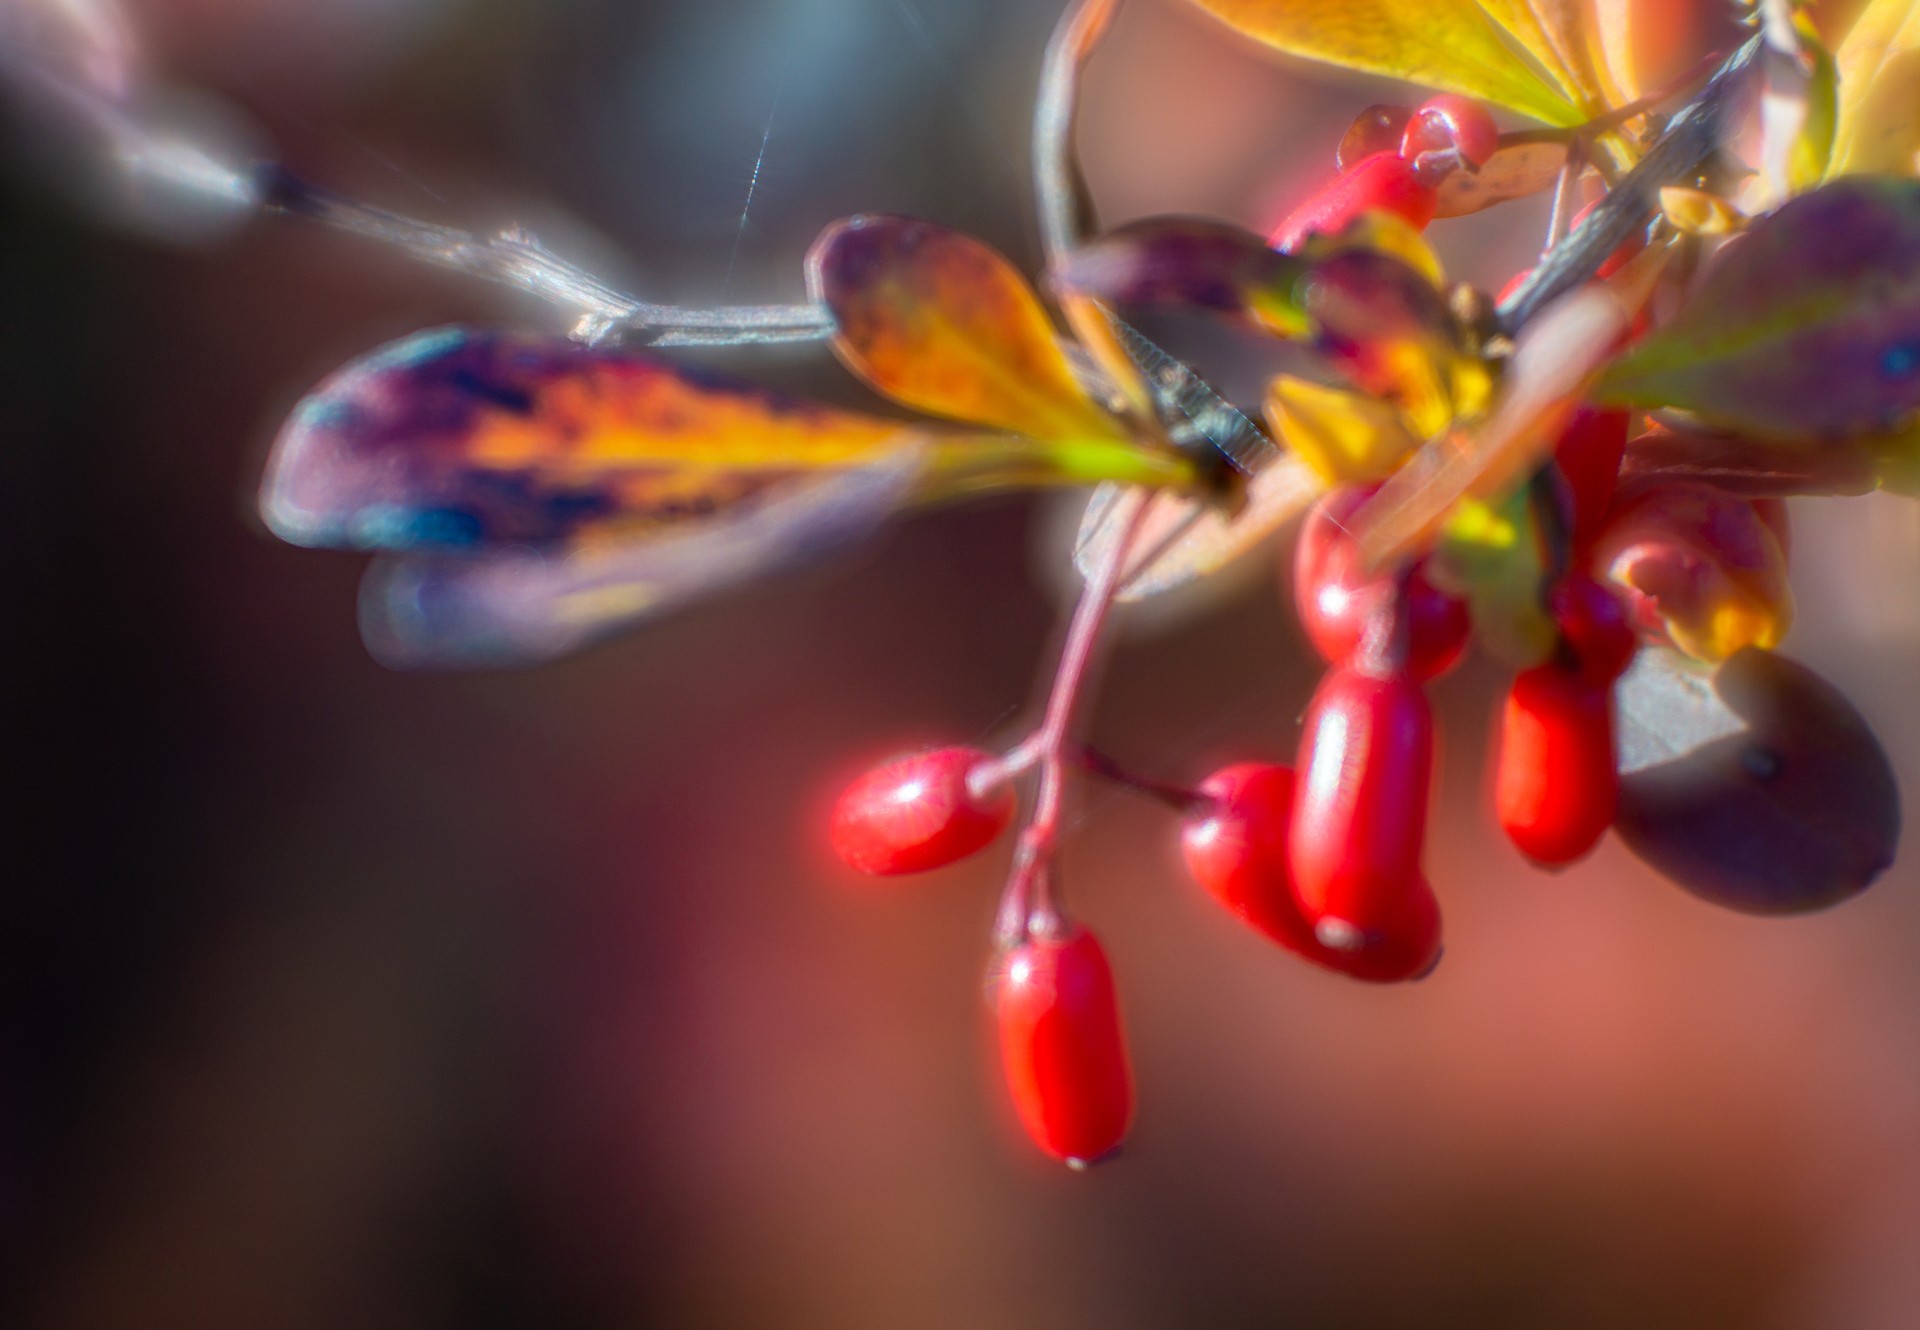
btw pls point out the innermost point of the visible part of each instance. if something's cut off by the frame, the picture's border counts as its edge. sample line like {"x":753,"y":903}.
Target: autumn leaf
{"x":1879,"y":107}
{"x":1809,"y":326}
{"x":940,"y":322}
{"x":1451,"y":45}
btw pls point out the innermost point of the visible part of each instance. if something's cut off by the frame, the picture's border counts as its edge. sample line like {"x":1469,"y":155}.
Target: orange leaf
{"x":939,"y":321}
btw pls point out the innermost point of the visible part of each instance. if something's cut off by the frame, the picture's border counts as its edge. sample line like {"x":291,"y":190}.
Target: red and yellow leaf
{"x":941,"y":322}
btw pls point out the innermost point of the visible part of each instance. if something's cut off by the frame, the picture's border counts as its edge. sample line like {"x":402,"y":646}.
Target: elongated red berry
{"x":1360,"y":813}
{"x":1556,"y":786}
{"x":1594,"y":626}
{"x":1402,"y":943}
{"x":1063,"y":1047}
{"x":917,"y":812}
{"x":1236,"y":847}
{"x":1382,"y":181}
{"x":1451,"y":123}
{"x":1339,"y":603}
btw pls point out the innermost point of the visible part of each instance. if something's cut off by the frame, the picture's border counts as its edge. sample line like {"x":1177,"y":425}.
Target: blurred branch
{"x":516,"y":259}
{"x":1696,"y":131}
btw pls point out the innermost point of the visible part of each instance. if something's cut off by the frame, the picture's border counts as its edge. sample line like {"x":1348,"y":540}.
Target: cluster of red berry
{"x":1327,"y":863}
{"x":1325,"y":858}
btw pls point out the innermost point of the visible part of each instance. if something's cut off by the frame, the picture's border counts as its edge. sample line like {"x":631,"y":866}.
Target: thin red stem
{"x":1030,"y":902}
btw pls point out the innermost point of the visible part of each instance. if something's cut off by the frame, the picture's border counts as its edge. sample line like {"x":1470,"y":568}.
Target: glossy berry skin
{"x":1236,"y":847}
{"x":1360,"y":813}
{"x":1338,"y":603}
{"x":1062,"y":1045}
{"x":1451,"y":122}
{"x":1382,"y":181}
{"x":1556,"y":784}
{"x":915,"y":813}
{"x":1599,"y":639}
{"x":1588,"y":454}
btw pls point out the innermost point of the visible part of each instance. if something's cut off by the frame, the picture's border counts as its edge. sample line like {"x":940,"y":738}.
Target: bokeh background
{"x":334,"y":997}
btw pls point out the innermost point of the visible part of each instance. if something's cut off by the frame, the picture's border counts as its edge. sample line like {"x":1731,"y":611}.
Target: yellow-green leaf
{"x":1879,"y":63}
{"x":1344,"y":437}
{"x":1558,"y":34}
{"x":941,"y":322}
{"x":1451,"y":45}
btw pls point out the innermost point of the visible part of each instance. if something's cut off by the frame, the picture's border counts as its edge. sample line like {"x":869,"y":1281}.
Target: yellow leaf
{"x":1879,"y":63}
{"x":1447,"y":44}
{"x":1558,"y":34}
{"x":941,"y":322}
{"x":1344,"y":437}
{"x":1698,"y":213}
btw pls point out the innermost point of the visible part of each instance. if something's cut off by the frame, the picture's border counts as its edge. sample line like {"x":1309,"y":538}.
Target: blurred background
{"x":333,"y":997}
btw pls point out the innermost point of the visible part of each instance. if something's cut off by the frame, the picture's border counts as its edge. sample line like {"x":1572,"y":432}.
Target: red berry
{"x":1589,"y":454}
{"x":1594,"y":626}
{"x":1382,"y":181}
{"x":1236,"y":847}
{"x":1379,"y":128}
{"x":1063,"y":1047}
{"x":1338,"y":603}
{"x":1455,"y":123}
{"x":916,"y":813}
{"x":1556,"y":785}
{"x":1403,"y":942}
{"x":1359,"y":817}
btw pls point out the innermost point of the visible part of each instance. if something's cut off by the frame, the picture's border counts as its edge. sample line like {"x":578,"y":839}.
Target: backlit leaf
{"x":1558,"y":34}
{"x":1447,"y":44}
{"x":1808,"y":326}
{"x":1343,"y":437}
{"x":939,"y":321}
{"x":458,"y":438}
{"x":1879,"y":67}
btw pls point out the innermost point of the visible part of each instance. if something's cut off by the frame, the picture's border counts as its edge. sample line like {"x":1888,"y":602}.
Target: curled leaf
{"x":1523,"y":165}
{"x":941,"y":322}
{"x":1772,"y":797}
{"x":1808,"y":326}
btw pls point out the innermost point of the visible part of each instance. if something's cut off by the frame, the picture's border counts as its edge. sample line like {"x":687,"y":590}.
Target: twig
{"x":518,"y":260}
{"x":1695,"y":132}
{"x":1029,"y":903}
